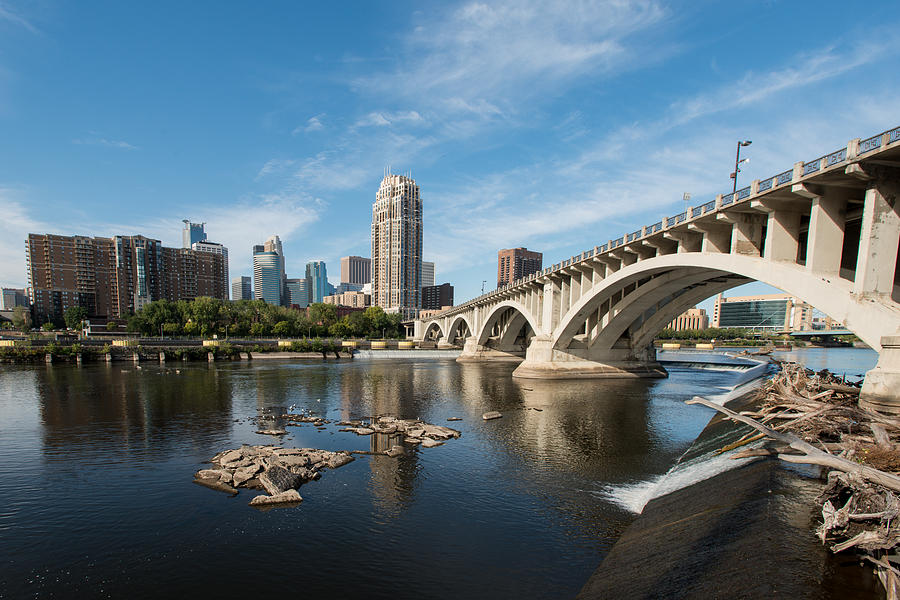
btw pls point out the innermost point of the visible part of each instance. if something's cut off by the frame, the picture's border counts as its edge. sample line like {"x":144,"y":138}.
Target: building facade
{"x":352,"y":299}
{"x":13,"y":297}
{"x":114,"y":277}
{"x":515,"y":263}
{"x":397,"y":246}
{"x":298,"y":292}
{"x":427,"y":274}
{"x":213,"y":248}
{"x":192,"y":233}
{"x":317,"y":276}
{"x":241,"y":288}
{"x":356,"y":270}
{"x":766,"y":312}
{"x":268,"y":272}
{"x":692,"y":318}
{"x":436,"y":297}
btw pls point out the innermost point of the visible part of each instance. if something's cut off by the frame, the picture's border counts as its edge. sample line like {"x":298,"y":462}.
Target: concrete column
{"x":878,"y":242}
{"x":210,"y":356}
{"x":565,"y":297}
{"x":782,"y":236}
{"x":746,"y":235}
{"x":162,"y":357}
{"x":881,"y":387}
{"x":826,"y":232}
{"x":550,"y":312}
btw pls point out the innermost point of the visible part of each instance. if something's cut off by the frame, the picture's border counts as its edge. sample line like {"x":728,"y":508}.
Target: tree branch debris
{"x":814,"y":419}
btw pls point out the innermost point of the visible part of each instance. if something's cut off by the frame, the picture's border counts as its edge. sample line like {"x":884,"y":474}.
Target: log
{"x":842,"y":389}
{"x":813,"y":456}
{"x":882,"y":438}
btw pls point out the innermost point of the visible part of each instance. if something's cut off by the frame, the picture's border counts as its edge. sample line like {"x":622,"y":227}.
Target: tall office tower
{"x":268,"y":272}
{"x":12,"y":297}
{"x":241,"y":288}
{"x":317,"y":277}
{"x":356,"y":269}
{"x":427,"y":274}
{"x":114,"y":277}
{"x":515,"y":263}
{"x":192,"y":233}
{"x":397,"y":246}
{"x":435,"y":297}
{"x":298,"y":292}
{"x":213,"y":248}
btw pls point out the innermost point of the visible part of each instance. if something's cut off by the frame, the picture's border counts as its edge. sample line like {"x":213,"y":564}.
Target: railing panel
{"x":727,"y":199}
{"x":812,"y":166}
{"x":893,"y":135}
{"x":743,"y":193}
{"x":836,"y":157}
{"x":785,"y":177}
{"x":873,"y":143}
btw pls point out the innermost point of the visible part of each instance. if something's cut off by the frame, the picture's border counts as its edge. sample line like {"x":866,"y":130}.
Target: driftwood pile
{"x":814,"y":418}
{"x":279,"y":471}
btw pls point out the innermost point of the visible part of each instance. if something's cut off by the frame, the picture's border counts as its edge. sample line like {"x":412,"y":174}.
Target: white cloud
{"x":15,"y":226}
{"x":105,"y":142}
{"x":312,"y":124}
{"x":8,"y":14}
{"x":502,"y":52}
{"x":381,"y":119}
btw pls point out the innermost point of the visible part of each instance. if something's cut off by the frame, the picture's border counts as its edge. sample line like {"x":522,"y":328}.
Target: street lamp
{"x":738,"y":161}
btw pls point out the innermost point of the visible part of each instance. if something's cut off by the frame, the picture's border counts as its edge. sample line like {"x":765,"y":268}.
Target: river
{"x":96,"y":497}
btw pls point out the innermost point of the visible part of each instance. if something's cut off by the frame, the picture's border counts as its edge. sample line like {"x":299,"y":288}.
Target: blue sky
{"x":551,"y":125}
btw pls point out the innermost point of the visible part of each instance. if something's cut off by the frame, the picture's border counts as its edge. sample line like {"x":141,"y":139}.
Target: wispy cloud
{"x":312,"y":124}
{"x":105,"y":142}
{"x":16,"y":224}
{"x":488,"y":55}
{"x":382,"y":119}
{"x":10,"y":15}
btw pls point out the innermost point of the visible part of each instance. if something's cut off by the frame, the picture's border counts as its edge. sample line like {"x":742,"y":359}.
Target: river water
{"x":96,"y":497}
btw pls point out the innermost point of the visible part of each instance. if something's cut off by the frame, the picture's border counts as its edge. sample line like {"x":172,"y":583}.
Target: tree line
{"x":208,"y":316}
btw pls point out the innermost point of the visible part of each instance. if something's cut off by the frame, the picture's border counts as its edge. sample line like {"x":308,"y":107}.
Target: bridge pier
{"x":881,"y":387}
{"x":542,"y":361}
{"x":475,"y":352}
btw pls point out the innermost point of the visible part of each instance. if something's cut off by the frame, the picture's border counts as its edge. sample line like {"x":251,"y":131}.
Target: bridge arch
{"x":433,"y":331}
{"x":520,"y":317}
{"x":455,"y":328}
{"x":693,"y":270}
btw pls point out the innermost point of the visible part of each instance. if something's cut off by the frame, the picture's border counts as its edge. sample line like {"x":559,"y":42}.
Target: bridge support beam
{"x":881,"y":387}
{"x":475,"y":352}
{"x":542,"y":361}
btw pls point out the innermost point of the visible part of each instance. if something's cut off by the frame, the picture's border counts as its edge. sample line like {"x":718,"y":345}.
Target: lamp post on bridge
{"x":738,"y":161}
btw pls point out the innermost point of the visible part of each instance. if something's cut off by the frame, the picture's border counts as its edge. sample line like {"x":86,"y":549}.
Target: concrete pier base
{"x":472,"y":352}
{"x":162,"y":357}
{"x":881,"y":387}
{"x":542,"y":361}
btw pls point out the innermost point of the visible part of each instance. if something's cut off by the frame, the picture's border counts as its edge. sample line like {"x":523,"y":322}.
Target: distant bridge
{"x":826,"y":231}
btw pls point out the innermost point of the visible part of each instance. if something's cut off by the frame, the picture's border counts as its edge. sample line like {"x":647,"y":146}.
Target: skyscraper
{"x":427,"y":274}
{"x":397,"y":246}
{"x":213,"y":248}
{"x":298,"y":292}
{"x":268,"y":272}
{"x":241,"y":288}
{"x":356,"y":269}
{"x":113,"y":277}
{"x":192,"y":233}
{"x":514,"y":263}
{"x":318,"y":280}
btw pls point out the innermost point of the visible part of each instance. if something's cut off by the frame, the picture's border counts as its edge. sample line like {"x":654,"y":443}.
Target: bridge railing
{"x":842,"y":156}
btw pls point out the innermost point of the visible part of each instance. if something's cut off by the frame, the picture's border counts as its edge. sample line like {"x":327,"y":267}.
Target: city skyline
{"x":630,"y":124}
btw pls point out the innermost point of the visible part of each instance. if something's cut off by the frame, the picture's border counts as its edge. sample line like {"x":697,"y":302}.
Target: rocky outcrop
{"x":414,"y":431}
{"x":491,"y":414}
{"x":286,"y":497}
{"x":279,"y":471}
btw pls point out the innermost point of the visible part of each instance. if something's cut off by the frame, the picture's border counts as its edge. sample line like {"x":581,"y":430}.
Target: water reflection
{"x":136,"y":407}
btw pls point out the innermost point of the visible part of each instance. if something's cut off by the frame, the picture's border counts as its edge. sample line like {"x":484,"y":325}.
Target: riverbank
{"x":747,"y":531}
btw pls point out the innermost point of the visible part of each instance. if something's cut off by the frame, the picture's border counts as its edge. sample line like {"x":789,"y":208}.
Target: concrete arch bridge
{"x":826,"y":231}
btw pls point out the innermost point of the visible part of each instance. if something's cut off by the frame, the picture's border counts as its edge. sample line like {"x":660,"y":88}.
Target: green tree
{"x":74,"y":317}
{"x":111,"y":326}
{"x":282,"y":328}
{"x":341,"y":329}
{"x":22,"y":319}
{"x":48,"y":326}
{"x":323,"y":314}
